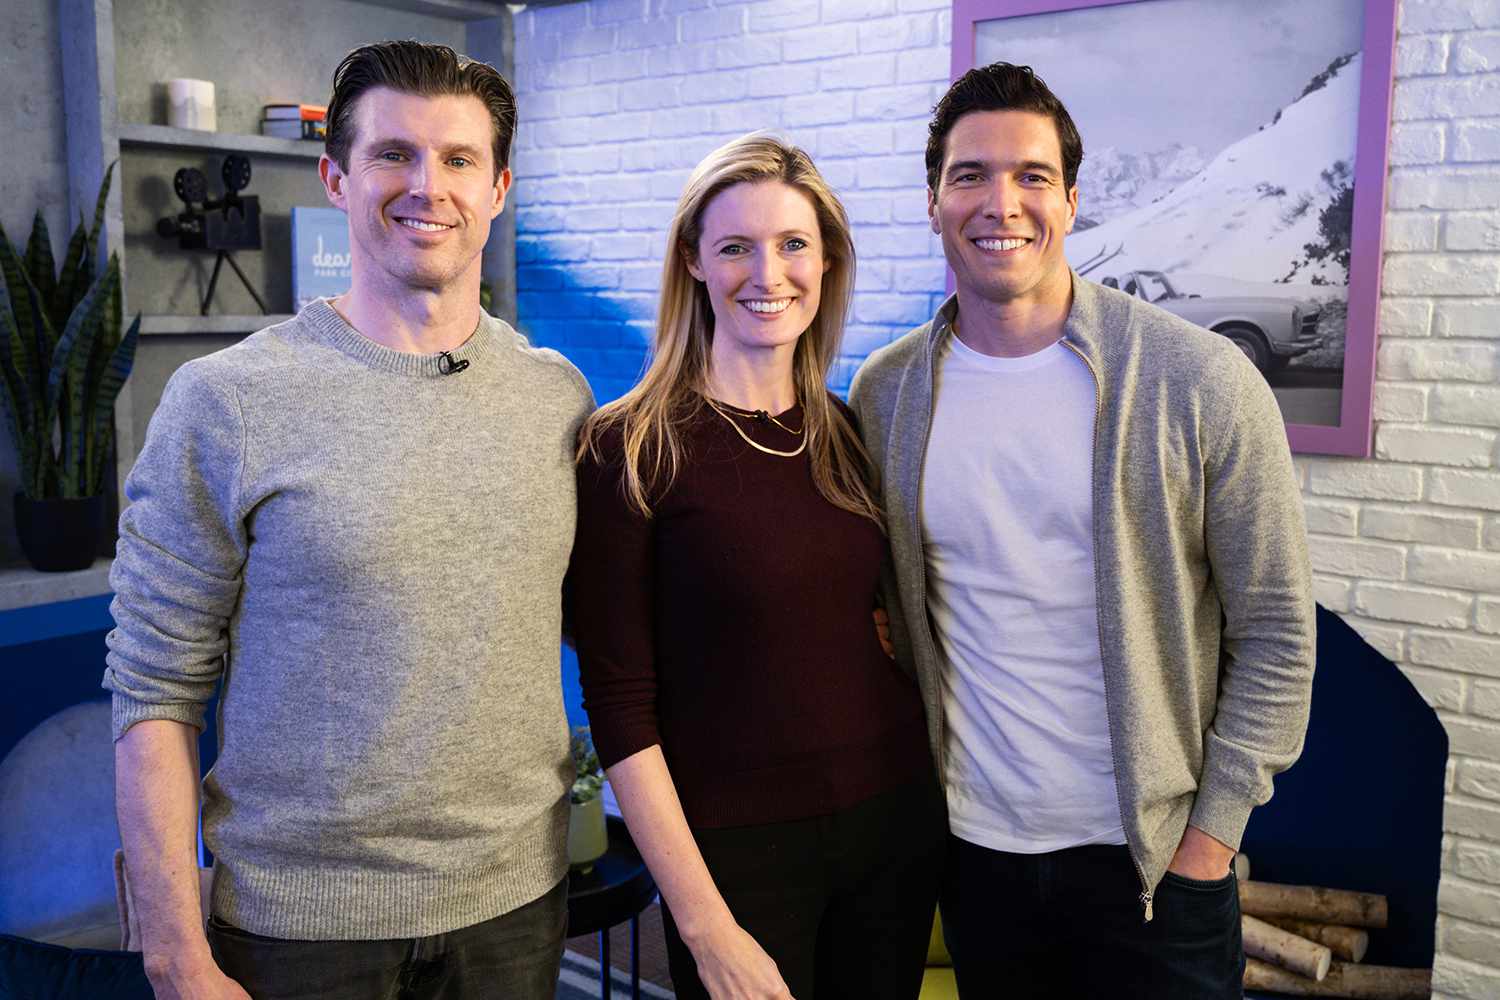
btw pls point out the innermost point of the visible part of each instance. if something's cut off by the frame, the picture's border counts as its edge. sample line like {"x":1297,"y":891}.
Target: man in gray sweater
{"x":358,"y":522}
{"x":1101,"y":564}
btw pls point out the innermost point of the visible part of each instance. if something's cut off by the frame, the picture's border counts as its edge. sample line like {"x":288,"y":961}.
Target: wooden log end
{"x":1348,"y":944}
{"x":1283,"y":948}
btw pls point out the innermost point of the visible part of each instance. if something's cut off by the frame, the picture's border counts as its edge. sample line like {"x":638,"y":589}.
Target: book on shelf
{"x":320,"y":254}
{"x":287,"y":128}
{"x":296,"y":112}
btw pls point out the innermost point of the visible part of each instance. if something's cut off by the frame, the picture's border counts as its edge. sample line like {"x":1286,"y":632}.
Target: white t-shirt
{"x":1007,"y":523}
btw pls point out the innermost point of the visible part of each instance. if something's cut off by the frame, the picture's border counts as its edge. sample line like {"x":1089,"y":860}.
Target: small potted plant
{"x":63,"y":360}
{"x":587,"y":838}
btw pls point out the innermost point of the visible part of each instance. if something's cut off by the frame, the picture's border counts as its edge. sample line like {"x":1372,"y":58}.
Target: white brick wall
{"x":619,"y":98}
{"x":1406,"y":540}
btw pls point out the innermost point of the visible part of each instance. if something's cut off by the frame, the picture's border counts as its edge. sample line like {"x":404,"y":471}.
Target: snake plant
{"x":63,"y":359}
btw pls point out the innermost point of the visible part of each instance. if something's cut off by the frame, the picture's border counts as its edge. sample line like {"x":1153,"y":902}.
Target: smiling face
{"x":421,"y":188}
{"x":760,"y":257}
{"x":1003,"y":208}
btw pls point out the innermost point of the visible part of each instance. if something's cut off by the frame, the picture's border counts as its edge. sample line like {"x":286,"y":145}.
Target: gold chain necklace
{"x":751,"y":441}
{"x":759,"y":415}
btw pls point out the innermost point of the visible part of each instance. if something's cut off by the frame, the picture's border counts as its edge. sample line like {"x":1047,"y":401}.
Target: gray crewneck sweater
{"x":371,"y":554}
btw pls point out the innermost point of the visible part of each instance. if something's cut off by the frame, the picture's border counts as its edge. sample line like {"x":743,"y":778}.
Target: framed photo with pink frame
{"x":1233,"y":173}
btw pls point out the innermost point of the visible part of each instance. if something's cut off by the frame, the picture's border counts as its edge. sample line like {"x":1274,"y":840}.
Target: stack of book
{"x":295,"y":121}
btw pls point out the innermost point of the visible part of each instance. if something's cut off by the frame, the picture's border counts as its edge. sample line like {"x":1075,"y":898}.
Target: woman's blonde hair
{"x":671,"y":392}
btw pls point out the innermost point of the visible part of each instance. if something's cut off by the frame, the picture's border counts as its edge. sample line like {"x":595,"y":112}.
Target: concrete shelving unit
{"x":24,"y":587}
{"x":167,"y":137}
{"x":196,"y":325}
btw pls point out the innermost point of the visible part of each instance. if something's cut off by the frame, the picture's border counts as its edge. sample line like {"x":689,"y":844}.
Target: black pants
{"x":843,"y":903}
{"x":1071,"y":924}
{"x":515,"y":956}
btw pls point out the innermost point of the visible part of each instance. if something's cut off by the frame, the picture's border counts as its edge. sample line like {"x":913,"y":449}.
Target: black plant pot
{"x":60,"y":534}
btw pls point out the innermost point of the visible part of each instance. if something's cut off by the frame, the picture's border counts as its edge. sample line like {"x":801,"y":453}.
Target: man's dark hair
{"x":1001,"y":86}
{"x":423,"y":69}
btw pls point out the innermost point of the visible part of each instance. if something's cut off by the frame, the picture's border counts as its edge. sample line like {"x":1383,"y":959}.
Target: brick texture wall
{"x":1406,"y":544}
{"x":620,"y":98}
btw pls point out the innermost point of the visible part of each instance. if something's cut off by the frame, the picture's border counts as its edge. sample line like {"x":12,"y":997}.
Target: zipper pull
{"x":1146,"y":902}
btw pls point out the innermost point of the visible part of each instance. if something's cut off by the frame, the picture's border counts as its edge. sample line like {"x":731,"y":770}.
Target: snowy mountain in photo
{"x":1112,"y":183}
{"x":1251,"y":211}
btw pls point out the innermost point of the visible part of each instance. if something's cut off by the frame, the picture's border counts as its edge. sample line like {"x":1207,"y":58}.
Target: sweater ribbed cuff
{"x":126,"y":711}
{"x":1221,"y":810}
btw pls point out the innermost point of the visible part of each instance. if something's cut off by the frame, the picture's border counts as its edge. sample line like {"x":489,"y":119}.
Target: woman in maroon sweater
{"x":770,"y":759}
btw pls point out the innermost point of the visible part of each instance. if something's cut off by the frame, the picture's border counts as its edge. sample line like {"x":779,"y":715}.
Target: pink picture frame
{"x":1350,"y":432}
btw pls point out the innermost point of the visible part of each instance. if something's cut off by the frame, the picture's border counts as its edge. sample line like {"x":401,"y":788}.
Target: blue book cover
{"x":320,"y":254}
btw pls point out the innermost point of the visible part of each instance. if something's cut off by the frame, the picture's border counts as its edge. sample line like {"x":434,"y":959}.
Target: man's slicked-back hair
{"x":425,"y":70}
{"x":1001,"y":86}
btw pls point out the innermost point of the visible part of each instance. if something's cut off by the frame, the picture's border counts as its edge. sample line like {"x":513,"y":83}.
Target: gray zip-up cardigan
{"x":1206,"y":626}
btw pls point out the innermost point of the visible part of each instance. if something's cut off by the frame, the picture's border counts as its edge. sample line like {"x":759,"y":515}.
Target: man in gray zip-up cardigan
{"x":1101,"y":567}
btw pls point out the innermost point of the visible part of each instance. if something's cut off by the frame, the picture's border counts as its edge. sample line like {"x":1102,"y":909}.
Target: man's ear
{"x":502,"y":186}
{"x":333,"y":181}
{"x":932,"y":214}
{"x":1072,"y":208}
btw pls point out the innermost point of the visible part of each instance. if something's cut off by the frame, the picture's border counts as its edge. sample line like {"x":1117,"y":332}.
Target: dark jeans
{"x":1071,"y":924}
{"x":842,"y":903}
{"x":514,"y":956}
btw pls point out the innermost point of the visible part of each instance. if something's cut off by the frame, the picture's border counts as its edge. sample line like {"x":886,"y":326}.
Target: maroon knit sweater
{"x":734,"y":628}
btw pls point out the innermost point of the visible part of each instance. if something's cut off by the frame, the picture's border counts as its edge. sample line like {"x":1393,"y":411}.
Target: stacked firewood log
{"x":1310,"y":941}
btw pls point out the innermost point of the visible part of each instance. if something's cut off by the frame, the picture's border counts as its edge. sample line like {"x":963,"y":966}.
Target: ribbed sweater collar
{"x":333,"y":330}
{"x":1083,"y":327}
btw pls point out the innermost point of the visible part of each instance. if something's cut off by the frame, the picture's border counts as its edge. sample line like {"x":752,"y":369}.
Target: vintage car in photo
{"x":1271,"y":329}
